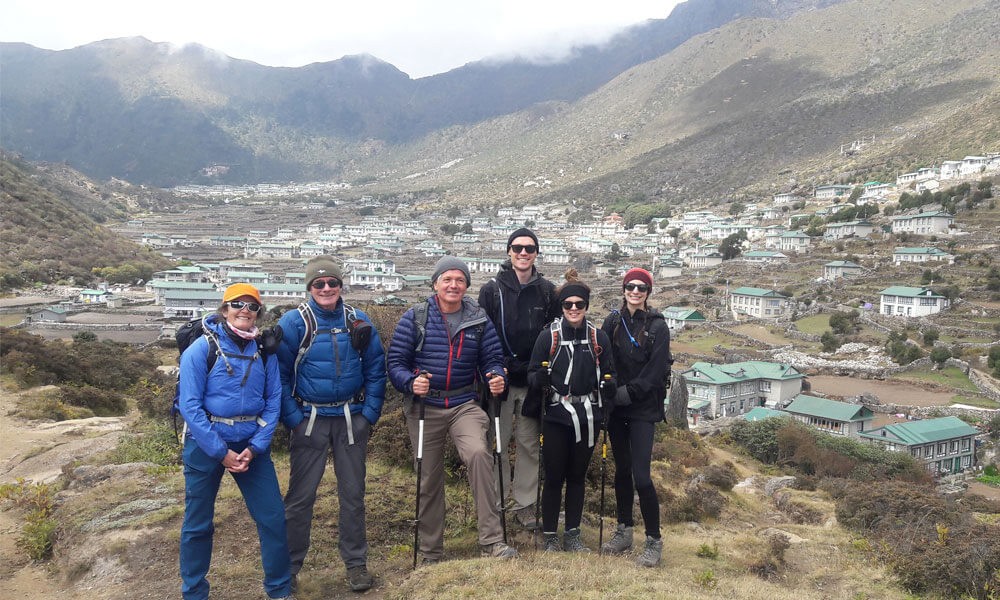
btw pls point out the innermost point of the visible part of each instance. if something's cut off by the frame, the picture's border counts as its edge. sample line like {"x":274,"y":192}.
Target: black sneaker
{"x":359,"y":578}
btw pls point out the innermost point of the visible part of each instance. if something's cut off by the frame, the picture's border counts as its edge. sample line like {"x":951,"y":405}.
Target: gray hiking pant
{"x":525,"y":432}
{"x":307,"y":456}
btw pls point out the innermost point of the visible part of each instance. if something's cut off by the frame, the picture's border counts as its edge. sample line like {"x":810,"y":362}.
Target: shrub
{"x":706,"y":551}
{"x":156,"y":444}
{"x":102,"y":403}
{"x":759,"y":438}
{"x":722,"y":476}
{"x":154,"y":395}
{"x":39,"y":531}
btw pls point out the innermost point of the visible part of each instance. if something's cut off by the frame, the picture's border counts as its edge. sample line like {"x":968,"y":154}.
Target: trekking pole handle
{"x":420,"y":422}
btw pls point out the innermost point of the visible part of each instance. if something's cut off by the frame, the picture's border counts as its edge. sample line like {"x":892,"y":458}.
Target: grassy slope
{"x":130,"y":526}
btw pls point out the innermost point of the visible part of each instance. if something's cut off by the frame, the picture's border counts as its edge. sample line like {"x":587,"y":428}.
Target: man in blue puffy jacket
{"x":332,"y":394}
{"x":459,"y":347}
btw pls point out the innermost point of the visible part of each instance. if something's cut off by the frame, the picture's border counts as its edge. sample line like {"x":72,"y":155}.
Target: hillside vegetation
{"x":51,"y":233}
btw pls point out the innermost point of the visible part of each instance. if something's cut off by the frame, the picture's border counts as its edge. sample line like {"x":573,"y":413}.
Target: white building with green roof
{"x":946,"y":444}
{"x":679,"y":317}
{"x":764,"y":256}
{"x":902,"y":301}
{"x":921,"y":255}
{"x":757,"y":302}
{"x":840,"y":268}
{"x":735,"y":388}
{"x":925,"y":223}
{"x":831,"y":416}
{"x":849,"y":229}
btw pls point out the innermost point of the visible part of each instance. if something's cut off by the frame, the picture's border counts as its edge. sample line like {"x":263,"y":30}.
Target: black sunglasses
{"x":319,"y":284}
{"x":519,"y":248}
{"x":570,"y":305}
{"x":642,"y":287}
{"x":240,"y":305}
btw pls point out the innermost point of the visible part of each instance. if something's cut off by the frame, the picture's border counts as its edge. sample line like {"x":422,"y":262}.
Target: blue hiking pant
{"x":259,"y":486}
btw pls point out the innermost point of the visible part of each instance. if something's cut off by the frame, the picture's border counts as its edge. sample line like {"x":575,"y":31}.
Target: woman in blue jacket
{"x":230,"y":410}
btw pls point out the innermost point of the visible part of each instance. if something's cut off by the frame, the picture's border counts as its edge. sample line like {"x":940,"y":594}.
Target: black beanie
{"x":574,"y":288}
{"x":522,"y":232}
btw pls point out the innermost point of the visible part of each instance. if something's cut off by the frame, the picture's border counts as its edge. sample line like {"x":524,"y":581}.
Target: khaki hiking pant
{"x":467,"y":425}
{"x":525,"y":433}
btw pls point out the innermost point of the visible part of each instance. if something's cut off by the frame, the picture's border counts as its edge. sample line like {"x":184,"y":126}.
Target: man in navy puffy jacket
{"x":330,"y":400}
{"x":460,"y":347}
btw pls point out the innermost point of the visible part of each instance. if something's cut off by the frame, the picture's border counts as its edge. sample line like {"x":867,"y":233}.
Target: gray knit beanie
{"x":322,"y":266}
{"x":449,"y":263}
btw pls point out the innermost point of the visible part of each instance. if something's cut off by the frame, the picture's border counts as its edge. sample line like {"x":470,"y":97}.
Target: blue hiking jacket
{"x":216,"y":392}
{"x":454,"y":362}
{"x":332,"y":372}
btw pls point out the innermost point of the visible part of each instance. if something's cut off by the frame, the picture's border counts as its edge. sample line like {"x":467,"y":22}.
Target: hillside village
{"x":388,"y":250}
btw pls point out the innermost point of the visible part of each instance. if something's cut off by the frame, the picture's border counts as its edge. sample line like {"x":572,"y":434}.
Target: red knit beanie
{"x":640,"y":274}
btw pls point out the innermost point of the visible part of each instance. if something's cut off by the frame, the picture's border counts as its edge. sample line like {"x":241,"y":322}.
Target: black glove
{"x":622,"y":397}
{"x":270,"y":339}
{"x":361,"y":335}
{"x":531,"y":406}
{"x":608,"y":390}
{"x":542,"y":379}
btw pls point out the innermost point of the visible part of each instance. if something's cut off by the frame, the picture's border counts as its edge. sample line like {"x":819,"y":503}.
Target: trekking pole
{"x":420,"y":462}
{"x":498,"y":459}
{"x":541,"y":442}
{"x":604,"y":472}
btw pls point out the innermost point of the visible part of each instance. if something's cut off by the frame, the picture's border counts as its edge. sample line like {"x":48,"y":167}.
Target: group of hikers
{"x":554,"y":380}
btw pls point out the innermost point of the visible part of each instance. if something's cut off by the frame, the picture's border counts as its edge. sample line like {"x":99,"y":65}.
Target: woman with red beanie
{"x":640,"y":342}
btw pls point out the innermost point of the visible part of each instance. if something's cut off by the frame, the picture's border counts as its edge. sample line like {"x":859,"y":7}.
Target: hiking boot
{"x":525,"y":517}
{"x":497,"y":550}
{"x":552,"y":542}
{"x":572,"y":541}
{"x":650,"y":556}
{"x":359,"y":578}
{"x":620,"y":542}
{"x":428,"y":561}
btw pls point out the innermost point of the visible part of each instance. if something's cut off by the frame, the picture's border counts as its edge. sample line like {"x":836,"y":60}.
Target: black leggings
{"x":632,"y":445}
{"x":566,"y":462}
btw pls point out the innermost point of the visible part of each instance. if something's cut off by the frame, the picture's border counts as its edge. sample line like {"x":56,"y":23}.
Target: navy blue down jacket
{"x":455,"y":362}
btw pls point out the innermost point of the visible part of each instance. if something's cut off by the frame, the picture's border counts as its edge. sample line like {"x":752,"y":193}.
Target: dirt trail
{"x":37,"y":452}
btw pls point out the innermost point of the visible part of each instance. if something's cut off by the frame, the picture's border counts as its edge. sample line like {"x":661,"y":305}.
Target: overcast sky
{"x":420,"y":37}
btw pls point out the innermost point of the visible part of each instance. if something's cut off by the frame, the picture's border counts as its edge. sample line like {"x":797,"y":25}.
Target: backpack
{"x":420,"y":320}
{"x":186,"y":335}
{"x":358,"y":329}
{"x":555,"y":329}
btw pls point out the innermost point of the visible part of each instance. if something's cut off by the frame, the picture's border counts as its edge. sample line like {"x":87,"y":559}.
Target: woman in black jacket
{"x":569,"y":388}
{"x":640,"y":342}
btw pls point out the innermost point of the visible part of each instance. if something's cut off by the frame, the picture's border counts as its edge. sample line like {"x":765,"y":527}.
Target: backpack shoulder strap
{"x":555,"y":327}
{"x":309,"y":319}
{"x":420,"y":320}
{"x":595,"y":349}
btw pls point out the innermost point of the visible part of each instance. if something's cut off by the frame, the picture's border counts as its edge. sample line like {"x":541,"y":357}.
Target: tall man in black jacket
{"x":521,"y":303}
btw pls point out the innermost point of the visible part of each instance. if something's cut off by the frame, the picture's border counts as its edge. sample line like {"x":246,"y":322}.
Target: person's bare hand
{"x":422,"y":384}
{"x":233,"y":463}
{"x":497,"y":385}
